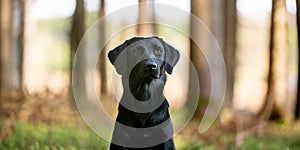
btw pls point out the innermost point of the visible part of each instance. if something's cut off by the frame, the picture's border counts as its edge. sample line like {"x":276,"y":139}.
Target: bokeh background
{"x":258,"y":39}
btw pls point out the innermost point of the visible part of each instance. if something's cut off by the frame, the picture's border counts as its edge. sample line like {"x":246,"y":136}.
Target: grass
{"x":269,"y":142}
{"x":199,"y":145}
{"x":42,"y":137}
{"x":69,"y":137}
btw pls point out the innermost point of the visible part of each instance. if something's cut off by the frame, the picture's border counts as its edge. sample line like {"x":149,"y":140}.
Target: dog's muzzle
{"x":151,"y":66}
{"x":150,"y":69}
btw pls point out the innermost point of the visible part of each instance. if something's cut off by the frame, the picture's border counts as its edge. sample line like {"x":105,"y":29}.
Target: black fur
{"x":140,"y":78}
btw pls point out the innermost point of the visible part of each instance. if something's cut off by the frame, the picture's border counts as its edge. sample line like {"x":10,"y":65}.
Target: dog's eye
{"x":158,"y":51}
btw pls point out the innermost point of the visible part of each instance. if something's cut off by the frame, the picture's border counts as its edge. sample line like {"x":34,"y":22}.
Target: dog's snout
{"x":151,"y":66}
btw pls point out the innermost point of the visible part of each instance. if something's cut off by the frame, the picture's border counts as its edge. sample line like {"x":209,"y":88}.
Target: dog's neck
{"x":139,"y":90}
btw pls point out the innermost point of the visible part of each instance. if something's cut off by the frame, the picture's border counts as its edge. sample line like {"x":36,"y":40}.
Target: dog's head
{"x":147,"y":58}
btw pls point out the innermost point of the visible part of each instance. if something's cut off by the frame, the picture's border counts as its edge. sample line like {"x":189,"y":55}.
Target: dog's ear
{"x":172,"y":56}
{"x":118,"y":57}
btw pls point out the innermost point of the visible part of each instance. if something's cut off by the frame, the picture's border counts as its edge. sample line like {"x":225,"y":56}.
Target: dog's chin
{"x":151,"y":76}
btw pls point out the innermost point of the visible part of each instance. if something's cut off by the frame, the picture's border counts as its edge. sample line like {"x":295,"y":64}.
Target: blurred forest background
{"x":258,"y":38}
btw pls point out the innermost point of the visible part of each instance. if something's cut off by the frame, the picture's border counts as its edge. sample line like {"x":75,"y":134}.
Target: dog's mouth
{"x":153,"y":74}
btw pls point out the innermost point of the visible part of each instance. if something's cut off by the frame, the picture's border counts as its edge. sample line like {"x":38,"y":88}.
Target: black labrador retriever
{"x":143,"y":120}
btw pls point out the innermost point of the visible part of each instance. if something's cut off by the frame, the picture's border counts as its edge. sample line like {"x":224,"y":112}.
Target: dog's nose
{"x":151,"y":66}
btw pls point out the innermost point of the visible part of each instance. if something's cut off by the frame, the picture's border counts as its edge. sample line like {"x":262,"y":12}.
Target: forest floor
{"x":46,"y":121}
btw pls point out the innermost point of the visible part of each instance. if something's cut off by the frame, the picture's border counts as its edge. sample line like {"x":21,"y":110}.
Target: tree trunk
{"x":19,"y":27}
{"x":12,"y":45}
{"x":297,"y":110}
{"x":218,"y":25}
{"x":146,"y":14}
{"x":78,"y":27}
{"x":230,"y":47}
{"x":278,"y":69}
{"x":227,"y":42}
{"x":200,"y":9}
{"x":278,"y":64}
{"x":6,"y":49}
{"x":103,"y":56}
{"x":12,"y":28}
{"x":277,"y":77}
{"x":77,"y":32}
{"x":0,"y":50}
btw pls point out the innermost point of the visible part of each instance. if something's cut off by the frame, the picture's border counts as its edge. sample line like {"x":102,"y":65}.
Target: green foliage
{"x":59,"y":58}
{"x":59,"y":26}
{"x":52,"y":37}
{"x":269,"y":142}
{"x":68,"y":137}
{"x":41,"y":136}
{"x":199,"y":146}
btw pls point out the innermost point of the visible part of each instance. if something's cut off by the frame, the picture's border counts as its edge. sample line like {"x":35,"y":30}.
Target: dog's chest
{"x":143,"y":120}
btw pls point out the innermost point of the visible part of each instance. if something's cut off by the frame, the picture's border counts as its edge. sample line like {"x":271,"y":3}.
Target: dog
{"x":143,"y":62}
